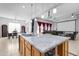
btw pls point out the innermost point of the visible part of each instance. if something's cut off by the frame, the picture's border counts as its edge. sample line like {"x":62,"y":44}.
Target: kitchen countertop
{"x":44,"y":42}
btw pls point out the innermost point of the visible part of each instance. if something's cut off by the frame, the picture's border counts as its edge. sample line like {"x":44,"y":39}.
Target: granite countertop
{"x":45,"y":42}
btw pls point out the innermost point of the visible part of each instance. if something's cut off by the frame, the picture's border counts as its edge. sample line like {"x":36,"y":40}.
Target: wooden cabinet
{"x":21,"y":45}
{"x":66,"y":48}
{"x":62,"y":49}
{"x":27,"y":49}
{"x":35,"y":52}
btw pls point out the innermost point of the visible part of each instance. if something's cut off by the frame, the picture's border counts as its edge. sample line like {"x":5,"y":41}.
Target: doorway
{"x":4,"y":30}
{"x":23,"y":29}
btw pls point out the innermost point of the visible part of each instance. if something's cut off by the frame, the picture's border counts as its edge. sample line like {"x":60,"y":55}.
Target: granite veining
{"x":45,"y":42}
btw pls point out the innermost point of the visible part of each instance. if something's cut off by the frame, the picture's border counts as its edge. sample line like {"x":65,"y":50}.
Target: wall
{"x":63,"y":26}
{"x":77,"y":25}
{"x":77,"y":28}
{"x":54,"y":26}
{"x":6,"y":21}
{"x":28,"y":27}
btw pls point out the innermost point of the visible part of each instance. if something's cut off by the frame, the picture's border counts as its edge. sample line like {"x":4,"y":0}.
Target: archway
{"x":4,"y":30}
{"x":23,"y":29}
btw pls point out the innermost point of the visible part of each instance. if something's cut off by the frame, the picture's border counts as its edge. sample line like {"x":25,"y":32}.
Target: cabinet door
{"x":27,"y":52}
{"x":28,"y":44}
{"x":63,"y":49}
{"x":66,"y":48}
{"x":21,"y":46}
{"x":27,"y":49}
{"x":35,"y":52}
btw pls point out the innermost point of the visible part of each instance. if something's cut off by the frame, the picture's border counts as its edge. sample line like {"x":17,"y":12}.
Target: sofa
{"x":70,"y":34}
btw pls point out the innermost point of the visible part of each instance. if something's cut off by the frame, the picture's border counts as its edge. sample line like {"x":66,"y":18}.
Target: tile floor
{"x":9,"y":47}
{"x":74,"y":47}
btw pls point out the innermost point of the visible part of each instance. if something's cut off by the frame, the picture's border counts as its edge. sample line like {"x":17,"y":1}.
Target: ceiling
{"x":31,"y":10}
{"x":65,"y":11}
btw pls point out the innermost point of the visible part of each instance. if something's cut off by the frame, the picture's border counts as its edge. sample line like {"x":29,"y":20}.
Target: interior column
{"x":43,"y":27}
{"x":50,"y":26}
{"x":39,"y":23}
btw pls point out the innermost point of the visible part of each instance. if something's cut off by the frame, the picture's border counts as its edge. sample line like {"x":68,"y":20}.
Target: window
{"x":14,"y":26}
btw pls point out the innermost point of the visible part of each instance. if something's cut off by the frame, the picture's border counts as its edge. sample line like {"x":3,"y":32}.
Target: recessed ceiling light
{"x":23,"y":6}
{"x":54,"y":10}
{"x":35,"y":19}
{"x":72,"y":16}
{"x":42,"y":16}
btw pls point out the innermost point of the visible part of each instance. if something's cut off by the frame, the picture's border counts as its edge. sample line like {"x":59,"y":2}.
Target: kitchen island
{"x":43,"y":45}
